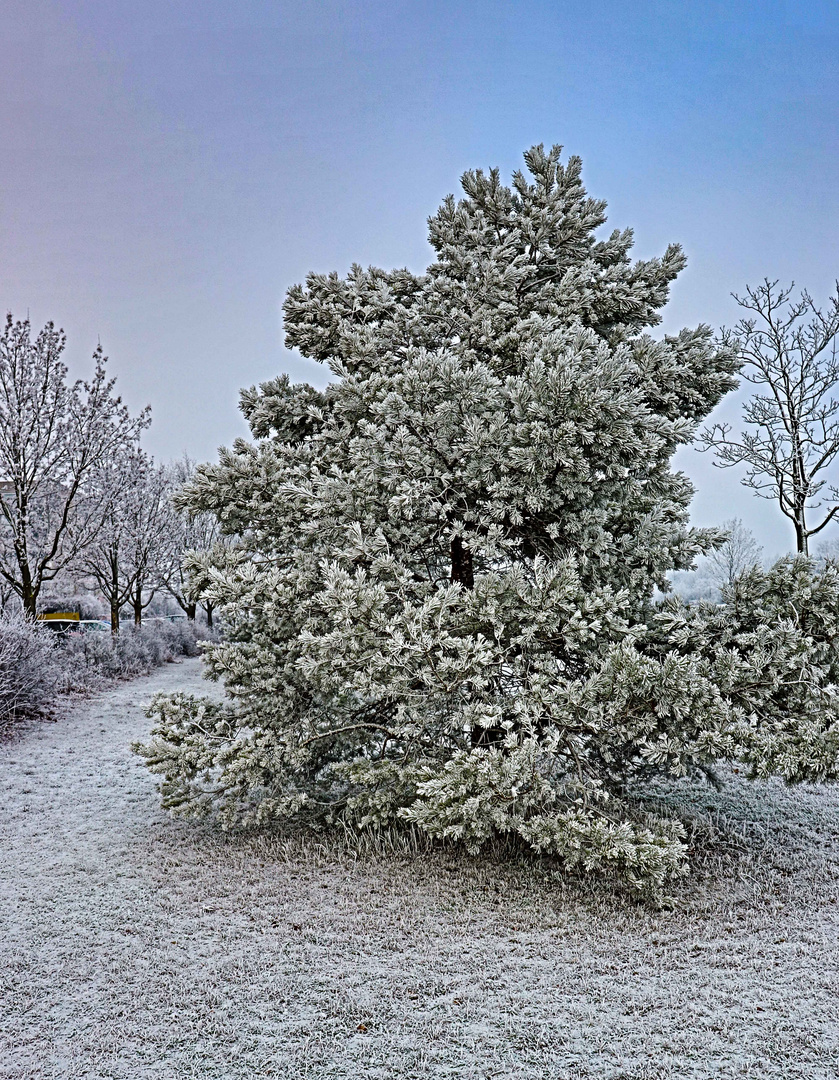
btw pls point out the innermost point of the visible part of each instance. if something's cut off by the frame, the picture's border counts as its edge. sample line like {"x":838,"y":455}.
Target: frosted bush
{"x":94,"y":658}
{"x":31,"y":669}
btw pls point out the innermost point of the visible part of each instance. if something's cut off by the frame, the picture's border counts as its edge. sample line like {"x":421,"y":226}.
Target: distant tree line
{"x":79,"y":495}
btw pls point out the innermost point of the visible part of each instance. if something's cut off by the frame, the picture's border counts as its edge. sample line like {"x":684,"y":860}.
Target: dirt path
{"x":133,"y":946}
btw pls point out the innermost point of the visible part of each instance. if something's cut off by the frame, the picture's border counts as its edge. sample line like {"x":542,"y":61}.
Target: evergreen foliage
{"x":439,"y":601}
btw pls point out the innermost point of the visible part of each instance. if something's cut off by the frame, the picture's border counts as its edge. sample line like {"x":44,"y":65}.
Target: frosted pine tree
{"x":439,"y":603}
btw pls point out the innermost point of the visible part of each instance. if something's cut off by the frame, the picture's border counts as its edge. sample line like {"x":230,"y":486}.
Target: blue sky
{"x":169,"y":169}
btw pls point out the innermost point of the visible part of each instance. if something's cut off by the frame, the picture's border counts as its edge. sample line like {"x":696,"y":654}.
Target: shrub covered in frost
{"x":134,"y":651}
{"x":439,"y":607}
{"x":37,"y":664}
{"x":31,"y":669}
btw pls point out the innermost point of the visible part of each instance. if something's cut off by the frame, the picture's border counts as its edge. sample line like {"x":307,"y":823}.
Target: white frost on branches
{"x":53,"y":439}
{"x":133,"y":553}
{"x":791,"y":439}
{"x":439,"y":602}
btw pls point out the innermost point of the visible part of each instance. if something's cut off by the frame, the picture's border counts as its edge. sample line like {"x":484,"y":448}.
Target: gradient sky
{"x":168,"y":168}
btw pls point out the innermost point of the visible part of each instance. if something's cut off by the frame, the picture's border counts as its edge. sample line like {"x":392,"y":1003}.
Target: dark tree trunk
{"x":801,"y":543}
{"x":29,"y":594}
{"x":115,"y":593}
{"x":463,"y":571}
{"x":190,"y":611}
{"x":462,"y":564}
{"x":209,"y":609}
{"x":138,"y":610}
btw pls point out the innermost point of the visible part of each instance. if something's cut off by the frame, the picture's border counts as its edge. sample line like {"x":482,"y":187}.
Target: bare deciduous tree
{"x":739,"y":553}
{"x":792,"y":422}
{"x":52,"y":439}
{"x":196,"y":531}
{"x":104,"y":559}
{"x":152,"y":538}
{"x":133,"y":552}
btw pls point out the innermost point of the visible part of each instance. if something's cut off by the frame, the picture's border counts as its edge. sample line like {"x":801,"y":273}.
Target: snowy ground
{"x":133,"y":946}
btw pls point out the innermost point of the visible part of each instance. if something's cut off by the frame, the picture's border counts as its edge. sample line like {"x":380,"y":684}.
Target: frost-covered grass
{"x":134,"y":946}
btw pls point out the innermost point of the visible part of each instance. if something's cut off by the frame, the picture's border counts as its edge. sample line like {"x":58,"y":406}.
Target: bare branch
{"x":791,"y":437}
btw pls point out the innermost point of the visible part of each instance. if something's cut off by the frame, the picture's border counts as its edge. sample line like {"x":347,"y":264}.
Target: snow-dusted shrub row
{"x":36,"y":665}
{"x":29,"y":674}
{"x":90,"y":659}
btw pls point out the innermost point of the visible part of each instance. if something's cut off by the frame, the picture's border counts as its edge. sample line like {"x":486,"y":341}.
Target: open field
{"x":133,"y":946}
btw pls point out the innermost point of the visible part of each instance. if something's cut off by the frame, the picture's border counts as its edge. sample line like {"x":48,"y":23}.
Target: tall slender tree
{"x":132,"y":552}
{"x":53,"y":437}
{"x":791,"y":439}
{"x":151,"y":543}
{"x":104,"y":558}
{"x":196,"y":531}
